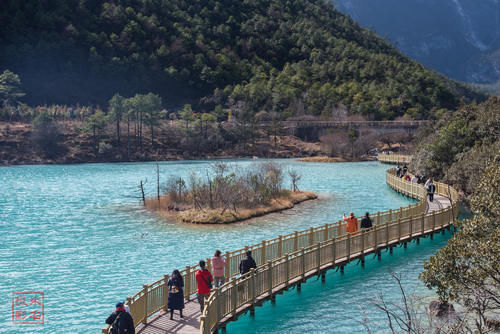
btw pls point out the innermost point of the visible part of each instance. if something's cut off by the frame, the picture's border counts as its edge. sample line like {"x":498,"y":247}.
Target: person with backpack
{"x":203,"y":284}
{"x":366,"y":222}
{"x":175,"y":293}
{"x":121,"y":321}
{"x":431,"y":189}
{"x":247,"y":263}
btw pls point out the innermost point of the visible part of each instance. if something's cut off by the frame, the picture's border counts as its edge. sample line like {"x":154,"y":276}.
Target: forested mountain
{"x":460,"y":38}
{"x":293,"y":57}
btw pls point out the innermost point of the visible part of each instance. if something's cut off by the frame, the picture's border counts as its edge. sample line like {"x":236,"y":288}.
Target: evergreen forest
{"x":293,"y":58}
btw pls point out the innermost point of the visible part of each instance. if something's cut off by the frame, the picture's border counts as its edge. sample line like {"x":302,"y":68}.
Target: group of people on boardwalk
{"x":352,"y":222}
{"x":416,"y":178}
{"x":205,"y":280}
{"x":121,"y":321}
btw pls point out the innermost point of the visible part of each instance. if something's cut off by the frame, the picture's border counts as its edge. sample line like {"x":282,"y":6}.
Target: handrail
{"x":394,"y":158}
{"x":227,"y":299}
{"x":153,"y":297}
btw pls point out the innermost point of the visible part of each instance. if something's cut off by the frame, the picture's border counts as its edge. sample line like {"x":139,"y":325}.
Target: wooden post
{"x":296,"y":241}
{"x":363,"y":234}
{"x":325,"y":236}
{"x":399,"y":229}
{"x":319,"y":255}
{"x":252,"y":278}
{"x":411,"y":226}
{"x":270,"y":265}
{"x":348,"y":247}
{"x":334,"y":249}
{"x":375,"y":237}
{"x":423,"y":223}
{"x":387,"y":233}
{"x":227,"y":274}
{"x":303,"y":262}
{"x":187,"y":283}
{"x":433,"y":220}
{"x":378,"y":217}
{"x":233,"y":294}
{"x":287,"y":269}
{"x":209,"y":264}
{"x":217,"y":300}
{"x":339,"y":228}
{"x":362,"y":242}
{"x":280,"y":246}
{"x":263,"y":253}
{"x":145,"y":294}
{"x":165,"y":293}
{"x":390,"y":215}
{"x":311,"y":236}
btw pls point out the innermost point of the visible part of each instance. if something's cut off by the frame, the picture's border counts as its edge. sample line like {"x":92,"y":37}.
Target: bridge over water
{"x":312,"y":130}
{"x":289,"y":260}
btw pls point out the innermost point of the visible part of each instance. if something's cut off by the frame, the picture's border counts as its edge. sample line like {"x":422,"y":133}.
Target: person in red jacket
{"x":203,"y":284}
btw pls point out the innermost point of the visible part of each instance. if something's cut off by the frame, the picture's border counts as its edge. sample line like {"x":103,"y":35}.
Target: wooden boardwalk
{"x":161,"y":322}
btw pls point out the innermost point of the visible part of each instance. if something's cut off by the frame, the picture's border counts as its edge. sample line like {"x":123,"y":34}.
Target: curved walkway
{"x":289,"y":260}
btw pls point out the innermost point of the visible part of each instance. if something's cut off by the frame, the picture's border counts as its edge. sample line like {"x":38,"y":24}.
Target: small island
{"x":227,"y":195}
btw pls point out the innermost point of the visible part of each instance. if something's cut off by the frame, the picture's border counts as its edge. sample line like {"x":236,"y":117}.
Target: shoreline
{"x":215,"y":217}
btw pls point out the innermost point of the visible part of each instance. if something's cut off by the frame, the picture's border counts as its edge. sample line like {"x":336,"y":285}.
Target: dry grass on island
{"x":227,"y":195}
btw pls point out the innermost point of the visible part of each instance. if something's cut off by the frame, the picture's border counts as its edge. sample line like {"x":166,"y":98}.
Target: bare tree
{"x":294,"y":178}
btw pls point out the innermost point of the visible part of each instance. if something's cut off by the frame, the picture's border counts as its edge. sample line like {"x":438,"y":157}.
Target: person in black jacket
{"x":247,"y":263}
{"x":121,"y":321}
{"x":431,"y":189}
{"x":366,"y":222}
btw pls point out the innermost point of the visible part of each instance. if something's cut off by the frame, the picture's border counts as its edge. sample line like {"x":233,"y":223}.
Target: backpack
{"x":118,"y":325}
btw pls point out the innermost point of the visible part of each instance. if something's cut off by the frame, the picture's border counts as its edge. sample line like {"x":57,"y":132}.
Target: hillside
{"x":292,"y":57}
{"x":459,"y":38}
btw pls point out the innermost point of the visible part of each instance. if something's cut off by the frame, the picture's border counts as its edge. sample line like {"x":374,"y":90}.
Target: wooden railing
{"x":394,"y":158}
{"x":323,"y":123}
{"x":153,"y":297}
{"x":276,"y":274}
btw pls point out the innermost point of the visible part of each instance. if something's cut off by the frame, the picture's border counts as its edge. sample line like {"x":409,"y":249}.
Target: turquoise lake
{"x":78,"y":234}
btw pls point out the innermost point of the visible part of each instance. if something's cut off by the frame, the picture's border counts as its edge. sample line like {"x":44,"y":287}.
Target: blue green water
{"x":76,"y":233}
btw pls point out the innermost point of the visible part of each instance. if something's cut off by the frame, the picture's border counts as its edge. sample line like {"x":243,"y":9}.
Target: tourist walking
{"x":218,"y":266}
{"x":366,"y":222}
{"x":405,"y":169}
{"x":247,"y":263}
{"x":203,"y":284}
{"x":121,"y":321}
{"x":429,"y":181}
{"x":431,"y":189}
{"x":398,"y":171}
{"x":352,"y":223}
{"x":175,"y":293}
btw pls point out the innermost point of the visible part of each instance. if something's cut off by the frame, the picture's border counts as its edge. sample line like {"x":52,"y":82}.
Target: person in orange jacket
{"x":352,"y":223}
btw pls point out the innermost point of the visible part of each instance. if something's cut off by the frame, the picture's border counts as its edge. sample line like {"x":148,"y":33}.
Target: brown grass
{"x":190,"y":215}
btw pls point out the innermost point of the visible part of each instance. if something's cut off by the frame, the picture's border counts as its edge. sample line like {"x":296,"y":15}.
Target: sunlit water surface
{"x":77,"y":233}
